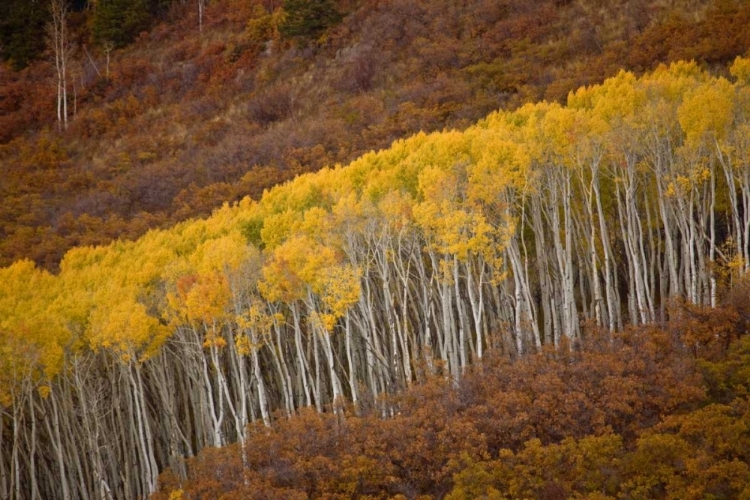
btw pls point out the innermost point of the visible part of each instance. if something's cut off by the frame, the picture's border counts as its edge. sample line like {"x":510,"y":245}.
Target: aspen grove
{"x":346,"y":286}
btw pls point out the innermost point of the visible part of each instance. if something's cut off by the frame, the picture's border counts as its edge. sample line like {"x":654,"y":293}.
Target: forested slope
{"x":635,"y":415}
{"x":196,"y":112}
{"x":350,"y":285}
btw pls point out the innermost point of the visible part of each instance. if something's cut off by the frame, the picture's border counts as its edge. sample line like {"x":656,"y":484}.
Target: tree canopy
{"x":526,"y":235}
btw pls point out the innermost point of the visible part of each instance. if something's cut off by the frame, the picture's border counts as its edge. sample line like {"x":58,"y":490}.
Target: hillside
{"x":180,"y":120}
{"x":636,"y":417}
{"x":548,"y":229}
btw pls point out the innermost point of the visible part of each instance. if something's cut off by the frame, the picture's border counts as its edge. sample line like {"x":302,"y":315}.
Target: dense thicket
{"x":22,"y":31}
{"x":635,"y":416}
{"x":118,"y":22}
{"x":197,"y":112}
{"x":308,"y":19}
{"x":352,"y":284}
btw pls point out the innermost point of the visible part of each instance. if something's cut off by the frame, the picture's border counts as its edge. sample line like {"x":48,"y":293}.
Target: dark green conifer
{"x":308,"y":19}
{"x":119,"y":21}
{"x":22,"y":35}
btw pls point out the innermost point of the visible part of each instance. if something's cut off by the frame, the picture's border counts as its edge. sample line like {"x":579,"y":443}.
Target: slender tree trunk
{"x":57,"y":33}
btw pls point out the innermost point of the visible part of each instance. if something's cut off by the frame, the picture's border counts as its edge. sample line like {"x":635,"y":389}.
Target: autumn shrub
{"x":271,"y":105}
{"x":550,"y":425}
{"x":437,"y":65}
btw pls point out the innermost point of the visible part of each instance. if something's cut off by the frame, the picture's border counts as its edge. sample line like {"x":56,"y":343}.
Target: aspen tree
{"x":556,"y":199}
{"x":706,"y":115}
{"x":414,"y":259}
{"x":62,"y":48}
{"x":201,"y":10}
{"x":499,"y":181}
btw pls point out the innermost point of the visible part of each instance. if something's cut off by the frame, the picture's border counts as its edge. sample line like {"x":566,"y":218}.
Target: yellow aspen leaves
{"x":707,"y":109}
{"x":450,"y":225}
{"x":499,"y":163}
{"x":44,"y":391}
{"x":740,"y":69}
{"x":257,"y":320}
{"x":397,"y":208}
{"x":31,"y":339}
{"x":201,"y":299}
{"x":224,"y":254}
{"x":462,"y":195}
{"x":123,"y":325}
{"x":339,"y":288}
{"x":671,"y":82}
{"x":317,"y":223}
{"x":618,"y":98}
{"x":298,"y":262}
{"x":277,"y":228}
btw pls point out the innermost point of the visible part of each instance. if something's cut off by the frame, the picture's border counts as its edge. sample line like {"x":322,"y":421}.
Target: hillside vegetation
{"x":636,"y":416}
{"x":170,"y":122}
{"x":528,"y":231}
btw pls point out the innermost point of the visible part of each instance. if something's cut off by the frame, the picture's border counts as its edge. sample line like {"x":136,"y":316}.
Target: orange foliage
{"x":574,"y":421}
{"x":183,"y":117}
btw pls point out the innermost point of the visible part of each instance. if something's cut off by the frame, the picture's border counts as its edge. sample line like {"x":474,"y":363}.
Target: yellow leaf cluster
{"x":459,"y":194}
